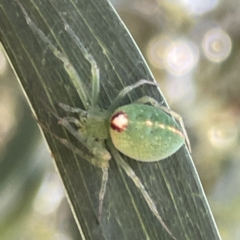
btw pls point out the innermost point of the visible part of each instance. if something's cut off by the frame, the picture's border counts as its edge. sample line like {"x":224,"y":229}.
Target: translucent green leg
{"x":102,"y":191}
{"x":73,"y":120}
{"x":101,"y":158}
{"x":91,"y":115}
{"x":101,"y":162}
{"x":126,"y":90}
{"x":76,"y":80}
{"x":91,"y":60}
{"x":139,"y":185}
{"x":67,"y":108}
{"x":94,"y":147}
{"x":152,"y":101}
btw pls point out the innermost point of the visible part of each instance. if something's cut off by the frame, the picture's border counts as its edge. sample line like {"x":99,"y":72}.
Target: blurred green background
{"x":192,"y":48}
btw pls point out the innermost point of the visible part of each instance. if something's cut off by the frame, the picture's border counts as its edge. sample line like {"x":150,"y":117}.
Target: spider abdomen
{"x":145,"y":133}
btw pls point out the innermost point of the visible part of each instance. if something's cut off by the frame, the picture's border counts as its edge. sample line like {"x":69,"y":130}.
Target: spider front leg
{"x":94,"y":67}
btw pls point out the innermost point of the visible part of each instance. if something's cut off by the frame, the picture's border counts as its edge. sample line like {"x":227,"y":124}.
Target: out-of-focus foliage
{"x":31,"y":194}
{"x":192,"y":48}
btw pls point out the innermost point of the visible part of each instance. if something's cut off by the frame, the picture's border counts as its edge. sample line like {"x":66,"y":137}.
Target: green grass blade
{"x":172,"y":183}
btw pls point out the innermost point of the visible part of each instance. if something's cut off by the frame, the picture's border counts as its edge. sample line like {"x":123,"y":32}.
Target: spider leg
{"x":94,"y":147}
{"x":73,"y":120}
{"x":153,"y":102}
{"x":139,"y":185}
{"x":94,"y":67}
{"x":104,"y":165}
{"x":94,"y":114}
{"x":89,"y":157}
{"x":76,"y":80}
{"x":67,"y":108}
{"x":101,"y":156}
{"x":89,"y":143}
{"x":102,"y":191}
{"x":100,"y":159}
{"x":128,"y":89}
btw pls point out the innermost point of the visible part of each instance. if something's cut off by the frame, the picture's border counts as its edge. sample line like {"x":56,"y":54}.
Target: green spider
{"x":141,"y":131}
